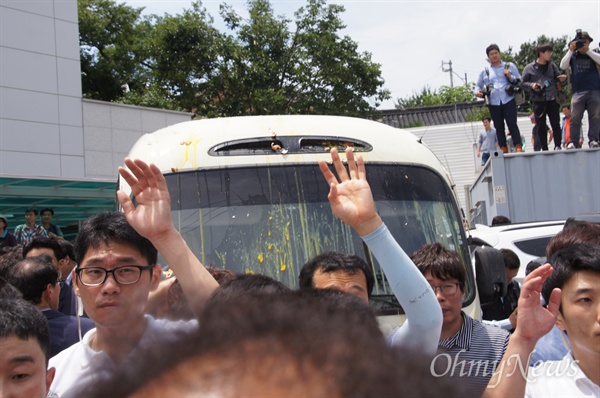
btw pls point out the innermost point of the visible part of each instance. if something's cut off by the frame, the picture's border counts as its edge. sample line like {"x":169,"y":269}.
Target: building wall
{"x":41,"y":124}
{"x":46,"y":129}
{"x":111,"y":129}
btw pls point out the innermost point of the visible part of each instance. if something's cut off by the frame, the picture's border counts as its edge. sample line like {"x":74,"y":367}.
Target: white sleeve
{"x":423,"y":324}
{"x":593,"y":55}
{"x":564,"y":62}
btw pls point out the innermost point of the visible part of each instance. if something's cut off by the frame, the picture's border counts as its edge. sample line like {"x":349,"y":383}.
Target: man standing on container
{"x":542,"y":77}
{"x":585,"y":85}
{"x":493,"y":82}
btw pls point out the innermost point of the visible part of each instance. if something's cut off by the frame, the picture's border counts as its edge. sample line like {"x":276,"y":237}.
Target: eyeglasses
{"x":447,"y":289}
{"x":125,"y":275}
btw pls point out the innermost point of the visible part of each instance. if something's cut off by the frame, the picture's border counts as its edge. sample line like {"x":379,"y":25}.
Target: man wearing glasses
{"x":117,"y":268}
{"x":468,"y":350}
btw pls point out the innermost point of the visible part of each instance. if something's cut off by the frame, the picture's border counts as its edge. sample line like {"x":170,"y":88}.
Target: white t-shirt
{"x":562,"y":378}
{"x":79,"y":364}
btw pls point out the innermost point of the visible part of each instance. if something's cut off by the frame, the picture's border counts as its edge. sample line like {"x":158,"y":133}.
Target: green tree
{"x":110,"y":37}
{"x":444,"y":96}
{"x":264,"y":64}
{"x":527,"y":51}
{"x":332,"y":77}
{"x":271,"y":69}
{"x":184,"y":58}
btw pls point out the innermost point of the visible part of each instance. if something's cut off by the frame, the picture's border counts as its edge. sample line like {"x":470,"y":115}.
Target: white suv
{"x":527,"y":240}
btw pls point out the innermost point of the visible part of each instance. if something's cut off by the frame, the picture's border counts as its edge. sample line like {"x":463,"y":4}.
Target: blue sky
{"x":410,"y":39}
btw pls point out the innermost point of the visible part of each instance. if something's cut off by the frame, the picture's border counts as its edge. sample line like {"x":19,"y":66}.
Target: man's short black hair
{"x":489,"y":119}
{"x":567,"y":262}
{"x":32,"y":275}
{"x":534,"y":264}
{"x":44,"y":243}
{"x":67,"y":248}
{"x":314,"y":342}
{"x":501,"y":220}
{"x":8,"y":291}
{"x":239,"y":286}
{"x":573,"y":234}
{"x":491,"y":47}
{"x":8,"y":261}
{"x":335,"y":261}
{"x":47,"y":209}
{"x":19,"y":318}
{"x":107,"y":227}
{"x":543,"y":48}
{"x":31,"y":210}
{"x":511,"y":260}
{"x":441,"y":262}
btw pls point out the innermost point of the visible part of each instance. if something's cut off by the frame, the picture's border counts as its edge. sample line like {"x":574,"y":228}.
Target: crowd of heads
{"x":278,"y":342}
{"x":257,"y":336}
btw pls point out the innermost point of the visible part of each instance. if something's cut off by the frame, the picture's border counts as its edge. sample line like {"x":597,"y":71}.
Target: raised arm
{"x":533,"y":322}
{"x":352,"y":202}
{"x":350,"y":197}
{"x":151,"y":218}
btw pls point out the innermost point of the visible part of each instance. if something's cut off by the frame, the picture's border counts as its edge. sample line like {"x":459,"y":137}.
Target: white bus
{"x":248,"y":196}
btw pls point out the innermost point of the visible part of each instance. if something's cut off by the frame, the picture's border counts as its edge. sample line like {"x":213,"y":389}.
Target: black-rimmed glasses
{"x":124,"y":275}
{"x":447,"y":289}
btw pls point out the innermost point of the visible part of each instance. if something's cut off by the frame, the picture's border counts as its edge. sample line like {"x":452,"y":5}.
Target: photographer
{"x":492,"y":85}
{"x":585,"y":84}
{"x":541,"y":78}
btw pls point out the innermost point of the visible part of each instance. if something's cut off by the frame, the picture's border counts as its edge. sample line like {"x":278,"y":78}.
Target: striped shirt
{"x":24,"y":234}
{"x":471,"y":355}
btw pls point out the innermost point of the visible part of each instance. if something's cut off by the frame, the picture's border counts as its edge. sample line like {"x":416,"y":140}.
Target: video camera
{"x":543,"y":86}
{"x":487,"y":91}
{"x":579,"y":42}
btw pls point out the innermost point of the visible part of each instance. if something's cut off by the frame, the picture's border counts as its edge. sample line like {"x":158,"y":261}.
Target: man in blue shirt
{"x":502,"y":105}
{"x":585,"y":85}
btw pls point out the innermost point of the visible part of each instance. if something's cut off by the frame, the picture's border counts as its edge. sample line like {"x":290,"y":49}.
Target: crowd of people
{"x":125,"y":330}
{"x":500,"y":84}
{"x":25,"y":233}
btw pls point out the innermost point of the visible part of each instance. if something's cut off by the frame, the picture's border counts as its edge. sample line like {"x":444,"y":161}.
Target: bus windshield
{"x":270,"y":220}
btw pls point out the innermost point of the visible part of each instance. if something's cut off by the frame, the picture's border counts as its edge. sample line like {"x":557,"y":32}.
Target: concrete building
{"x":56,"y":148}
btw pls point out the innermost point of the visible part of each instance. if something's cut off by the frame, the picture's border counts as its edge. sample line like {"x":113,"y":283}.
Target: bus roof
{"x":236,"y":142}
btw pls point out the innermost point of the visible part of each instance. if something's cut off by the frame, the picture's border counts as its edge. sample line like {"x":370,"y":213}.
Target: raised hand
{"x":533,"y":320}
{"x":152,"y":216}
{"x":350,"y":197}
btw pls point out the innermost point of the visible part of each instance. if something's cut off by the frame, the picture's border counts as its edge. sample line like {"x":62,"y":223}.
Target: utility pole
{"x":448,"y":70}
{"x":451,"y":71}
